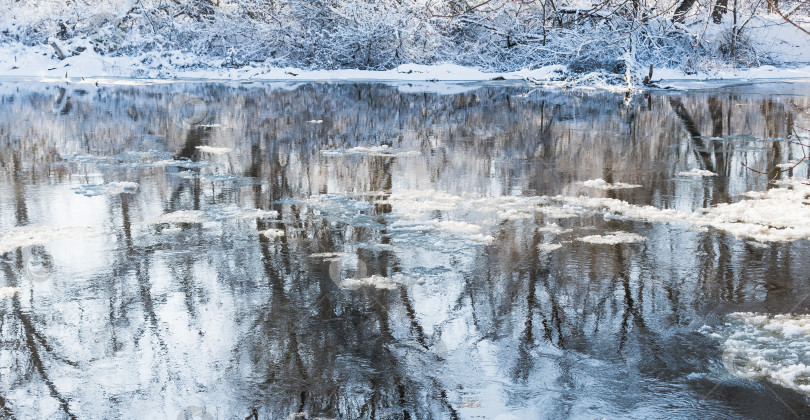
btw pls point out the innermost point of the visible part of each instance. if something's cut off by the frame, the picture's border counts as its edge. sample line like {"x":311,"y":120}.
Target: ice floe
{"x":214,"y":150}
{"x":548,"y":247}
{"x":787,"y":165}
{"x":40,"y":235}
{"x":8,"y":291}
{"x":697,"y":173}
{"x":612,"y":238}
{"x":273,"y":233}
{"x":771,"y":347}
{"x":481,"y":238}
{"x":213,"y":214}
{"x":110,"y":188}
{"x":136,"y":159}
{"x":180,"y":216}
{"x":375,"y":281}
{"x":601,"y":184}
{"x":456,"y":226}
{"x":553,"y":228}
{"x":383,"y":151}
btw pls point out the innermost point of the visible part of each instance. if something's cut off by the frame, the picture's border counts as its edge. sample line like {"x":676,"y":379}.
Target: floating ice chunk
{"x":187,"y":174}
{"x":612,"y":238}
{"x":257,"y":214}
{"x":754,"y":194}
{"x":273,"y":233}
{"x":40,"y":235}
{"x":548,"y":247}
{"x":329,"y":255}
{"x":601,"y":184}
{"x":8,"y":291}
{"x":110,"y":188}
{"x":214,"y":214}
{"x":456,"y":226}
{"x":411,"y":201}
{"x":511,"y":214}
{"x":180,"y":216}
{"x":379,"y":282}
{"x":758,"y":244}
{"x":179,"y":163}
{"x":214,"y":150}
{"x":780,"y":214}
{"x":786,"y":165}
{"x":558,"y":212}
{"x":484,"y":239}
{"x":697,"y":172}
{"x":383,"y":151}
{"x":553,"y":228}
{"x":776,"y":348}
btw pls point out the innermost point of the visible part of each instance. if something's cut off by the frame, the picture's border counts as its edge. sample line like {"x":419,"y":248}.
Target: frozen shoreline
{"x":39,"y":63}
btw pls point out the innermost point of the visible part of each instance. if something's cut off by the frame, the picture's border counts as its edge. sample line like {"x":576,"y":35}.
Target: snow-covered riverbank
{"x":781,"y":51}
{"x":18,"y":62}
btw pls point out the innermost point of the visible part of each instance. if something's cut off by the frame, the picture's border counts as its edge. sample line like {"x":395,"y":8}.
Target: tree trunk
{"x":680,"y":12}
{"x":720,"y":8}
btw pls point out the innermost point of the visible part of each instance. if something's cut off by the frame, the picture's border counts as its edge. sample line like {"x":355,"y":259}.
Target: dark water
{"x":393,"y":270}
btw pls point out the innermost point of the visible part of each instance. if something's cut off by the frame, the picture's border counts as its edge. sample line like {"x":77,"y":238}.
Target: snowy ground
{"x":772,"y":38}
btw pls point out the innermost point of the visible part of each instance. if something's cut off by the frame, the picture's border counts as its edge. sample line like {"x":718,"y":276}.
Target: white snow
{"x":21,"y":62}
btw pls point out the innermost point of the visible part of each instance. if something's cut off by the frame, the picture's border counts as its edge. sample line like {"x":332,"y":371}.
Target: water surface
{"x":371,"y":251}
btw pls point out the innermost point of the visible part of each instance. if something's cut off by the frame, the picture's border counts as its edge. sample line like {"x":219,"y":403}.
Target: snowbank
{"x":39,"y":63}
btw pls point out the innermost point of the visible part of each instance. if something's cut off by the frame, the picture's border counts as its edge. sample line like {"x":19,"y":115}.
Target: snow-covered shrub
{"x":737,"y":48}
{"x":605,"y":37}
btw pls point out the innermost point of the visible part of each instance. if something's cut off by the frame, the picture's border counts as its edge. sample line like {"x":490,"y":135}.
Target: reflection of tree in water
{"x":301,"y":343}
